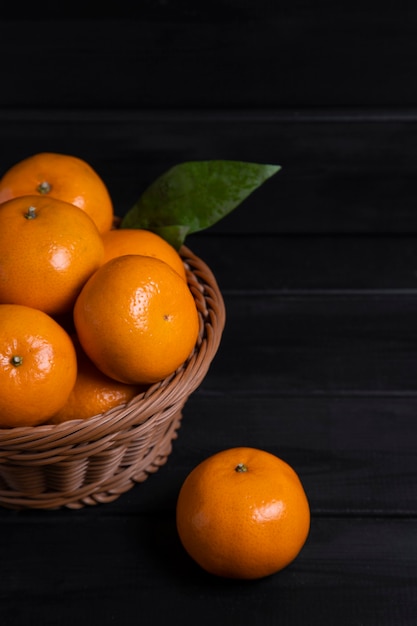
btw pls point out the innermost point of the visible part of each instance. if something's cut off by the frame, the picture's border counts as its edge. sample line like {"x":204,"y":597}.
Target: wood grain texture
{"x":310,"y":264}
{"x":352,"y":175}
{"x":227,"y":53}
{"x":318,"y":345}
{"x":341,"y":577}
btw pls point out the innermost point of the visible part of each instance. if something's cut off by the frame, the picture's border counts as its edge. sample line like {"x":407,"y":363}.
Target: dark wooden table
{"x":318,"y":269}
{"x":318,"y":364}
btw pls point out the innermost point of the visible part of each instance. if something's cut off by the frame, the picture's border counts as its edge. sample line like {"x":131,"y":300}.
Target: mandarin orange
{"x":38,"y":366}
{"x":120,"y":241}
{"x":64,"y":177}
{"x":48,"y":249}
{"x":93,"y":392}
{"x":136,"y":319}
{"x":242,"y":513}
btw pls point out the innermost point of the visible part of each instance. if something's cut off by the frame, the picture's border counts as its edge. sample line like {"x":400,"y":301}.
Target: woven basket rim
{"x":144,"y":406}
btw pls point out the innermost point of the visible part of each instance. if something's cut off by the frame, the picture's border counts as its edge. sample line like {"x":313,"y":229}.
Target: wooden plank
{"x":354,"y":175}
{"x":224,"y":54}
{"x":309,"y":263}
{"x":317,"y":345}
{"x":350,"y":571}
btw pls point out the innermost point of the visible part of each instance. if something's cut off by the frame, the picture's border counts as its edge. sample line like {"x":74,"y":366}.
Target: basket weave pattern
{"x":87,"y":462}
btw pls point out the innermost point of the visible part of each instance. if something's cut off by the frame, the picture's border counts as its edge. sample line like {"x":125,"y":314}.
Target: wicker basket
{"x":86,"y":462}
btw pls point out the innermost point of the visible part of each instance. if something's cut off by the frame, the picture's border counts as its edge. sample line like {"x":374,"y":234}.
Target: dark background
{"x":318,"y":269}
{"x":327,"y":90}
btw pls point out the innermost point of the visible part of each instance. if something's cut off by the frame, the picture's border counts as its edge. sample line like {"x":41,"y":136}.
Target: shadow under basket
{"x":87,"y":462}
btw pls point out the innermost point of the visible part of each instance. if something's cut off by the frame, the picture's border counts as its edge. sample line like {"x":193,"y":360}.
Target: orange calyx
{"x":44,"y":187}
{"x":30,"y":213}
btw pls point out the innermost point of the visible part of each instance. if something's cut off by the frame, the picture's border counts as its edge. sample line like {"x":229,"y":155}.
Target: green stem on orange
{"x":16,"y":360}
{"x":44,"y":187}
{"x":241,"y":467}
{"x":31,"y":213}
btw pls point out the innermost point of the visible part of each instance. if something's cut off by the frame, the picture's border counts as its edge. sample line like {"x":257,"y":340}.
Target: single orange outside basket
{"x":86,"y":462}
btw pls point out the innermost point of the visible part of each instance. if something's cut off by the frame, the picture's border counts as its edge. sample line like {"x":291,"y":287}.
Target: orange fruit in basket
{"x":243,"y":513}
{"x":120,"y":241}
{"x":64,"y":177}
{"x":136,"y":319}
{"x":93,"y":392}
{"x":38,"y":366}
{"x":48,"y":249}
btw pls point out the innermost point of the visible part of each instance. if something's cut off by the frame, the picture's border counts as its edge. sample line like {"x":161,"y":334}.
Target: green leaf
{"x":194,"y":195}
